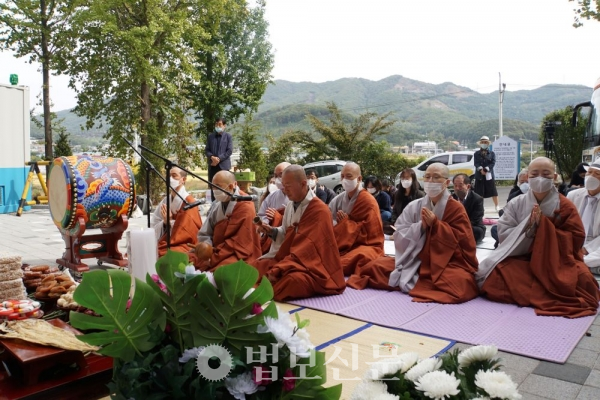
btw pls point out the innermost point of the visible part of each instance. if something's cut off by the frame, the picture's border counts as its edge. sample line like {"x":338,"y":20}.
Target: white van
{"x":329,"y":173}
{"x":458,"y":162}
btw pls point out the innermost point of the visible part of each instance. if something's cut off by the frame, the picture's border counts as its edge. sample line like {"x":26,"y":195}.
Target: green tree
{"x":282,"y":149}
{"x":234,"y":66}
{"x":251,"y":155}
{"x":62,"y":147}
{"x":568,"y":140}
{"x":383,"y":163}
{"x":36,"y":29}
{"x":132,"y":61}
{"x":587,"y":9}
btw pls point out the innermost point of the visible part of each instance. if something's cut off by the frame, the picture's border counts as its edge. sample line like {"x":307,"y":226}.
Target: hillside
{"x":422,"y":110}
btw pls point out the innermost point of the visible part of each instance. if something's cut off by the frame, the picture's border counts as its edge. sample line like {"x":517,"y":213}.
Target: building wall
{"x":14,"y":145}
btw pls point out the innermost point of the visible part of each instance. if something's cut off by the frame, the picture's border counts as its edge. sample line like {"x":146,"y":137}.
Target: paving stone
{"x":589,"y":393}
{"x":529,"y":396}
{"x":549,"y":388}
{"x":586,"y":358}
{"x":593,"y":379}
{"x":565,"y":372}
{"x":590,"y":343}
{"x":517,"y":376}
{"x":513,"y":362}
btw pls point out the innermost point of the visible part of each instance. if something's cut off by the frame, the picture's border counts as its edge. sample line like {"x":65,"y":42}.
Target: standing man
{"x":484,"y":160}
{"x":472,"y":202}
{"x":219,"y":147}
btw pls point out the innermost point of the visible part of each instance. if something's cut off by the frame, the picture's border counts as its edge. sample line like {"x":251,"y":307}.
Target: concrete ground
{"x":38,"y":241}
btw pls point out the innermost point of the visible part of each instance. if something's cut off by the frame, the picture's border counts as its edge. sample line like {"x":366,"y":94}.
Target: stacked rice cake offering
{"x":11,"y":277}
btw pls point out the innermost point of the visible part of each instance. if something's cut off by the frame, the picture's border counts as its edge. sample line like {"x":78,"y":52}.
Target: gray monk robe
{"x":542,"y":268}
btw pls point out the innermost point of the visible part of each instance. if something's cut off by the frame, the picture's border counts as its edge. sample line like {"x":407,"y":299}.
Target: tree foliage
{"x":62,"y":147}
{"x":251,"y":155}
{"x":235,"y":63}
{"x":36,"y":29}
{"x":586,"y":10}
{"x":568,"y":140}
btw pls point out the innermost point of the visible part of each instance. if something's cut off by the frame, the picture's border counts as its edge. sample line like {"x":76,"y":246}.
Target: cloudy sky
{"x":467,"y":42}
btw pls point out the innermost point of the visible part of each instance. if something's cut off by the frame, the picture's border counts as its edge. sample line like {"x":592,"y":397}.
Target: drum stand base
{"x":103,"y":246}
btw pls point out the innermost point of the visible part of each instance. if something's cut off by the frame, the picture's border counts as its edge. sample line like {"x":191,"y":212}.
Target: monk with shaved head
{"x":435,"y":249}
{"x":184,"y":223}
{"x":539,"y":261}
{"x":301,"y":262}
{"x":228,"y":234}
{"x":357,"y":222}
{"x":272,"y":208}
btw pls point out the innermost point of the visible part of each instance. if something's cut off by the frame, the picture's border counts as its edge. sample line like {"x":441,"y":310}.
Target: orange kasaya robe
{"x":184,"y":230}
{"x":360,"y":236}
{"x":307,"y":262}
{"x":552,"y":278}
{"x":265,"y":241}
{"x":448,"y":262}
{"x":234,"y":238}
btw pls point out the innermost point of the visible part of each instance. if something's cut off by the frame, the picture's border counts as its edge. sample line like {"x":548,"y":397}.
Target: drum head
{"x":59,"y":191}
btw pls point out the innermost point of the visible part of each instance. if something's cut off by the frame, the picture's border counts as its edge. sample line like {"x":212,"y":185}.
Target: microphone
{"x":244,"y":198}
{"x":192,"y":205}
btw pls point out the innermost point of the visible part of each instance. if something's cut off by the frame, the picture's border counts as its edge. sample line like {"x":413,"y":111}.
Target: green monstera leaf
{"x":224,"y":313}
{"x":178,"y":303}
{"x":123,"y":332}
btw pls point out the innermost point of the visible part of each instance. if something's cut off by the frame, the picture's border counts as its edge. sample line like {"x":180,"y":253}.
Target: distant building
{"x":428,"y":147}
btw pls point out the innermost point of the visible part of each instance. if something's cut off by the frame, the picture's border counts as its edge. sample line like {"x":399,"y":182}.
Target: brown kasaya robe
{"x":265,"y":241}
{"x":184,"y":230}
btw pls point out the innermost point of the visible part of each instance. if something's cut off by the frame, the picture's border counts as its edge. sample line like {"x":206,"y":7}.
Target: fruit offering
{"x":20,"y":309}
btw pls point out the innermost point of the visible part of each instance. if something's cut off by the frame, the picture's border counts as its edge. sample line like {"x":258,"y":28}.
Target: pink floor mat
{"x":513,"y":329}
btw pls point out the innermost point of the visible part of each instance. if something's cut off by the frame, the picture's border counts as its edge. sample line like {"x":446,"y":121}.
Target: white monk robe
{"x":156,"y":219}
{"x":579,"y":197}
{"x":541,"y":267}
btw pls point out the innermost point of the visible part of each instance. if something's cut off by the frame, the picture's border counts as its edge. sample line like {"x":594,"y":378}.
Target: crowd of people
{"x":306,"y":240}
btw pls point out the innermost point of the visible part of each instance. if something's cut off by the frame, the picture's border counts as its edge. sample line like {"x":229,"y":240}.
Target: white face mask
{"x":371,"y":190}
{"x":312,"y":183}
{"x":278,"y":183}
{"x":272,"y":187}
{"x":524,"y":187}
{"x":432,"y":189}
{"x":539,"y":184}
{"x":349,"y":185}
{"x":174,"y":183}
{"x":591,"y":182}
{"x":406,"y":183}
{"x":220,"y":196}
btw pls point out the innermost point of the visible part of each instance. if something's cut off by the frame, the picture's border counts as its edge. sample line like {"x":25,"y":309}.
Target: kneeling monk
{"x":303,"y":260}
{"x":435,"y":249}
{"x":229,"y":228}
{"x":539,"y":262}
{"x":357,"y":222}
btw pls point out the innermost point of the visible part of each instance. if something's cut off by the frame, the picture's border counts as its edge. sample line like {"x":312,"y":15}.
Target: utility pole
{"x":501,"y":89}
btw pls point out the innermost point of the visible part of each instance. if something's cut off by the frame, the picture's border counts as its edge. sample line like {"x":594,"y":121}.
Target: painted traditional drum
{"x":99,"y":189}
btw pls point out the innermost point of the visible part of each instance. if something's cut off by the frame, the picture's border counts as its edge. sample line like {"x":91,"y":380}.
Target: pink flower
{"x":262,"y":375}
{"x":155,"y":278}
{"x":288,"y":380}
{"x":256,"y":309}
{"x":128,"y":305}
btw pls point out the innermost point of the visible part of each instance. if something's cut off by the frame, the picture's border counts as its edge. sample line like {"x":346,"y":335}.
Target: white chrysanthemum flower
{"x":497,"y":384}
{"x":287,"y":334}
{"x":387,"y":366}
{"x":190,"y":271}
{"x":241,"y":385}
{"x":438,"y":385}
{"x":481,"y":398}
{"x":188,"y":354}
{"x":409,"y":360}
{"x":423,"y":367}
{"x":372,"y":390}
{"x":476,"y":353}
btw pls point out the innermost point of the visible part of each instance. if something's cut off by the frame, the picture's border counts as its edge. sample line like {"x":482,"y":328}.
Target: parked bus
{"x":592,"y":133}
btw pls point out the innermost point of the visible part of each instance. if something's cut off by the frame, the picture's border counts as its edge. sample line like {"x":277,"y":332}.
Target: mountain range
{"x":422,"y":110}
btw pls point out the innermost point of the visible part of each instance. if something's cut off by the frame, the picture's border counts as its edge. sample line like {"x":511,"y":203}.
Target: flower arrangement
{"x":473,"y":373}
{"x":184,"y":334}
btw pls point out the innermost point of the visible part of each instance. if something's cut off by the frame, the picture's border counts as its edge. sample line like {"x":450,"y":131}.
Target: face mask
{"x":524,"y":187}
{"x":432,"y":189}
{"x":461,"y":194}
{"x":349,"y":185}
{"x":312,"y":183}
{"x":539,"y":184}
{"x":174,"y":183}
{"x":272,"y":187}
{"x":406,"y":183}
{"x":278,"y":183}
{"x":484,"y":146}
{"x":591,"y":183}
{"x":371,"y":190}
{"x":220,"y":196}
{"x":218,"y":129}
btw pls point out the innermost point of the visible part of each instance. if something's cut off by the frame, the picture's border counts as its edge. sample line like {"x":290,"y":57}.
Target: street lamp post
{"x":530,"y":148}
{"x":501,"y":89}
